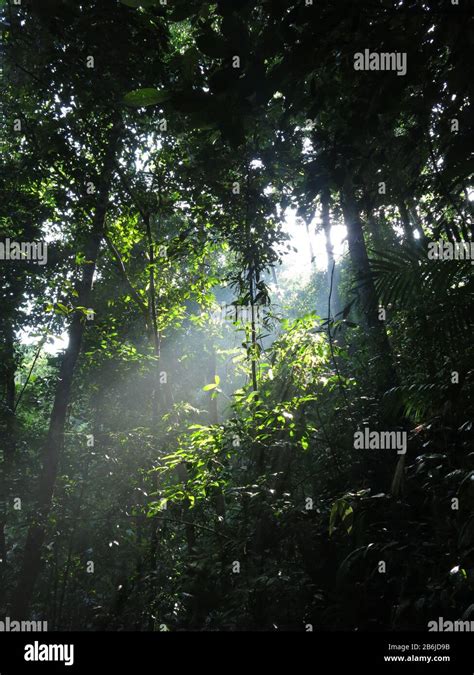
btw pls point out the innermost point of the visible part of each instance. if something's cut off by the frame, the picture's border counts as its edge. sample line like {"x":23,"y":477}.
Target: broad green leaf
{"x":208,"y":387}
{"x":139,"y":98}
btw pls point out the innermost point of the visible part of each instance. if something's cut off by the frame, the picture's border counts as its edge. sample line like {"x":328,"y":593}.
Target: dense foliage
{"x":177,"y":417}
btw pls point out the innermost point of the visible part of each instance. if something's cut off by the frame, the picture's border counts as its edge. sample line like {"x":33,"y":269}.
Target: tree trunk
{"x":415,"y":218}
{"x":332,"y":271}
{"x":312,"y":257}
{"x":153,"y":321}
{"x":211,"y":375}
{"x":406,"y":223}
{"x":55,"y":440}
{"x":366,"y":288}
{"x":9,"y":445}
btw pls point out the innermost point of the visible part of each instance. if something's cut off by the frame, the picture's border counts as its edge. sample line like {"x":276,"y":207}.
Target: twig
{"x":186,"y":522}
{"x":123,"y":271}
{"x":331,"y":347}
{"x":144,"y":214}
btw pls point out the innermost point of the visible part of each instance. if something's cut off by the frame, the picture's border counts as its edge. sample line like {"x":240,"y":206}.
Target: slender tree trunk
{"x":153,"y":320}
{"x":10,"y":368}
{"x":275,"y":278}
{"x":55,"y":440}
{"x":211,"y":374}
{"x":415,"y":218}
{"x":367,"y":293}
{"x":406,"y":223}
{"x":332,"y":276}
{"x":312,"y":256}
{"x":9,"y":446}
{"x":75,"y":520}
{"x":219,"y":500}
{"x":253,"y":329}
{"x":359,"y":257}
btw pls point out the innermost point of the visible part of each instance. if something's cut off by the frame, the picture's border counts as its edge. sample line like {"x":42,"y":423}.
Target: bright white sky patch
{"x":297,"y":265}
{"x":53,"y":344}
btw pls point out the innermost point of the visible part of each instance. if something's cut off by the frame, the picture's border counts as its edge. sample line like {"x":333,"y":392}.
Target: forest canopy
{"x":236,"y":359}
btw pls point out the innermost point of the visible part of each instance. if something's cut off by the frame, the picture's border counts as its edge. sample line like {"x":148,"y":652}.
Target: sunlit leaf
{"x":139,"y":98}
{"x":208,"y":387}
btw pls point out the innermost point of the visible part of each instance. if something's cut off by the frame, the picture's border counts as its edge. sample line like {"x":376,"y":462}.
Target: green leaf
{"x":332,"y":517}
{"x":208,"y":387}
{"x":139,"y":98}
{"x":62,"y":308}
{"x":343,"y":510}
